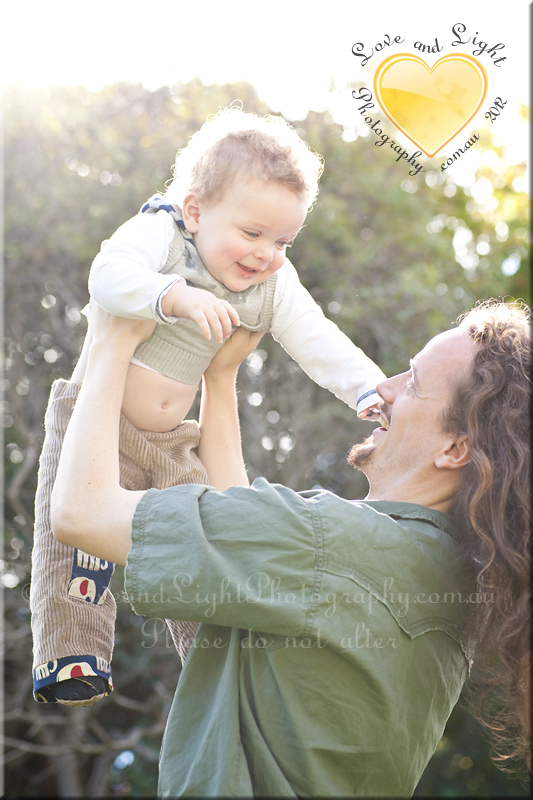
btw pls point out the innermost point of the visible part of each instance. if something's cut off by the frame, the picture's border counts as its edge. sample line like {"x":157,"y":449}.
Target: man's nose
{"x":388,"y":388}
{"x":384,"y":390}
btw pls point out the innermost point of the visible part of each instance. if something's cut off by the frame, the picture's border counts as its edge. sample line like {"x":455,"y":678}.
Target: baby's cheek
{"x":237,"y":252}
{"x":278,"y":262}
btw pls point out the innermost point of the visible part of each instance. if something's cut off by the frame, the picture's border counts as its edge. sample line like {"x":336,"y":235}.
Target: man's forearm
{"x":220,"y":448}
{"x":89,"y":508}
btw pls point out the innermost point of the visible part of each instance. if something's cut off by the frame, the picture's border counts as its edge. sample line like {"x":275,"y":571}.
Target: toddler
{"x":207,"y":257}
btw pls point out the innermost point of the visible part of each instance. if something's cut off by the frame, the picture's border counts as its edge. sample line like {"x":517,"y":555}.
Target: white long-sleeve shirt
{"x":125,"y":279}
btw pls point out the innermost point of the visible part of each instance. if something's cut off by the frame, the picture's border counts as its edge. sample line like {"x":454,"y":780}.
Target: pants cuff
{"x":70,"y":667}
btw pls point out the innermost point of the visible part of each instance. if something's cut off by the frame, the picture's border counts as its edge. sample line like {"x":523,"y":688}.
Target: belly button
{"x":164,"y":406}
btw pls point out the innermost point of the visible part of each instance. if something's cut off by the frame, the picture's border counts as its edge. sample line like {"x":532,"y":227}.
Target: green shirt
{"x":330,"y":653}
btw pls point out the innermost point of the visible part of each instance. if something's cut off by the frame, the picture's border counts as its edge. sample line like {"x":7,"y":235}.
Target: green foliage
{"x":461,"y":767}
{"x":392,"y":259}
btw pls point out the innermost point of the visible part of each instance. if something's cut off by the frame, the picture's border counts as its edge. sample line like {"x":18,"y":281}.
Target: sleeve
{"x":326,"y":354}
{"x":125,"y":276}
{"x":195,"y":556}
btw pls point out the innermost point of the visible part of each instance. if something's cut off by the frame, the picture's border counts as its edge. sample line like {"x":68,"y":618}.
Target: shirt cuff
{"x":367,"y":399}
{"x":164,"y":317}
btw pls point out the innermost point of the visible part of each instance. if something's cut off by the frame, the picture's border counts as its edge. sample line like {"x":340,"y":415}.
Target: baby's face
{"x":242,"y":238}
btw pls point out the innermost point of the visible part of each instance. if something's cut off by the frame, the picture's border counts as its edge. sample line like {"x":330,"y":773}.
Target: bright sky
{"x":297,"y":53}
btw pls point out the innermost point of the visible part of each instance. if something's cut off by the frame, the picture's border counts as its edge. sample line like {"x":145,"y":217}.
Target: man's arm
{"x":220,"y":448}
{"x":90,"y":510}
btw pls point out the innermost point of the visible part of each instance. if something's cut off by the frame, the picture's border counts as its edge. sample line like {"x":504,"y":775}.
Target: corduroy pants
{"x":73,"y":611}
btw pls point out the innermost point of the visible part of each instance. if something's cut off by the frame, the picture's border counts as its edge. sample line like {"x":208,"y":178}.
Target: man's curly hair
{"x":491,"y":509}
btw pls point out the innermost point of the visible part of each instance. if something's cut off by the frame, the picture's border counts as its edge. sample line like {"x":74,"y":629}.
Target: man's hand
{"x":118,"y":332}
{"x":233,"y":352}
{"x":202,"y":307}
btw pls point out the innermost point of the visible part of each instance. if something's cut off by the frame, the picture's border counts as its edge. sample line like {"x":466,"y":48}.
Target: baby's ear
{"x":191,"y":213}
{"x":454,"y":455}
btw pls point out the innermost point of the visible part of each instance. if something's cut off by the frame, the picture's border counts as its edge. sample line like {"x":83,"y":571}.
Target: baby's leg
{"x":73,"y":613}
{"x":160,"y":460}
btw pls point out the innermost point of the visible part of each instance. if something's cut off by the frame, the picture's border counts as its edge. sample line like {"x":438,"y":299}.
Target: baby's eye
{"x":410,"y":387}
{"x":285,"y":244}
{"x":251,"y":233}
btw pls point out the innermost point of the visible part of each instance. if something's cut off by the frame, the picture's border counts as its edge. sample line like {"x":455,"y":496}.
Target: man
{"x":334,"y":640}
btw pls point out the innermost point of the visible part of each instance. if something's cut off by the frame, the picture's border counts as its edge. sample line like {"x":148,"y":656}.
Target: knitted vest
{"x":180,"y":350}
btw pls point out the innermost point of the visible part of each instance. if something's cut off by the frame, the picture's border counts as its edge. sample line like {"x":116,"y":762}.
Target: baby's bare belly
{"x":154,"y":402}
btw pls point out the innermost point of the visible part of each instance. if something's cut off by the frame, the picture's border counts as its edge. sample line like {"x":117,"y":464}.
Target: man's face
{"x":401,"y":454}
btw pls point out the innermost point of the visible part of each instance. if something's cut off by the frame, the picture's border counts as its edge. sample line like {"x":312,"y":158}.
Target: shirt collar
{"x":401,"y":510}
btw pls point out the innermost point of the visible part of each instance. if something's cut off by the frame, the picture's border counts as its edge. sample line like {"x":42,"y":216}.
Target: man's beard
{"x":361,"y":454}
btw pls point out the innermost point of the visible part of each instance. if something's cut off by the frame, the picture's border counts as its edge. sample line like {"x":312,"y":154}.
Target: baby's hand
{"x":371,"y":414}
{"x":202,"y":307}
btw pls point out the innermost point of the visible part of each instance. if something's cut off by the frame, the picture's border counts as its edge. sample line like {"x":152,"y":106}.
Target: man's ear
{"x":191,"y":213}
{"x":454,"y":455}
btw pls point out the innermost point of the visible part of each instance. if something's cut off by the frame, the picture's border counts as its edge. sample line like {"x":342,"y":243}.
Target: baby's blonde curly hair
{"x":235,"y":143}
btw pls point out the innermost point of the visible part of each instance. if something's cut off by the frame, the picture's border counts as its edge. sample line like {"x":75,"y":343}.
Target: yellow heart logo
{"x":430,"y":105}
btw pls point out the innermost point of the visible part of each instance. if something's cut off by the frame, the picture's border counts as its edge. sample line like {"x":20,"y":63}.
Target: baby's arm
{"x":326,"y":354}
{"x":125,"y":279}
